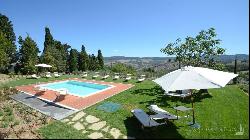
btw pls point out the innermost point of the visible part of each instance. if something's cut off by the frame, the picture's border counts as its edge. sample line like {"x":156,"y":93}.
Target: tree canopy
{"x":200,"y":50}
{"x":7,"y":43}
{"x":100,"y":60}
{"x":73,"y":60}
{"x":54,"y":53}
{"x":83,"y":59}
{"x":28,"y":54}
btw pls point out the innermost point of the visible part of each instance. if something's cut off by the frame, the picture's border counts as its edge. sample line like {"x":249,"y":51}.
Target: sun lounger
{"x":96,"y":75}
{"x":116,"y":77}
{"x":145,"y":119}
{"x":56,"y":74}
{"x":156,"y":109}
{"x":48,"y":75}
{"x":127,"y":78}
{"x":183,"y":94}
{"x":142,"y":78}
{"x":35,"y":76}
{"x":84,"y":75}
{"x":62,"y":91}
{"x":105,"y":77}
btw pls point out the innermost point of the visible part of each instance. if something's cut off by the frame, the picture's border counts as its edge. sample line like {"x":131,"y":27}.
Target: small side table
{"x":181,"y":108}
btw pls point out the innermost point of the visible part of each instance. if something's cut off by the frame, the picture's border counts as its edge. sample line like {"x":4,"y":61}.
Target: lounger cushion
{"x":144,"y":118}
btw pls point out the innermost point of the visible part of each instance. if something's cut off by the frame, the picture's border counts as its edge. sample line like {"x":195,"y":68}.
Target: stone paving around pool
{"x":94,"y":127}
{"x":71,"y":101}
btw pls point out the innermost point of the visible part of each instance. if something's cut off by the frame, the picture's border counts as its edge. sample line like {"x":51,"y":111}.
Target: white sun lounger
{"x":116,"y":77}
{"x":185,"y":93}
{"x":35,"y":76}
{"x":156,"y":109}
{"x":127,"y":78}
{"x":56,"y":74}
{"x":62,"y":91}
{"x":141,"y":79}
{"x":84,"y":74}
{"x":105,"y":77}
{"x":145,"y":119}
{"x":48,"y":75}
{"x":95,"y":76}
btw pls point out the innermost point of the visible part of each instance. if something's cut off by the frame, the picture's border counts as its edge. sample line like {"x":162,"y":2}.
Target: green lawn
{"x":220,"y":113}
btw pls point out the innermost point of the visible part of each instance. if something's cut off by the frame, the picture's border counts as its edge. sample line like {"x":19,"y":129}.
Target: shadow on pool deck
{"x":48,"y":108}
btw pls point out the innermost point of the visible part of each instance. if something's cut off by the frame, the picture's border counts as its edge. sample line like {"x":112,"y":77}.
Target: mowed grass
{"x":26,"y":81}
{"x":59,"y":130}
{"x":220,"y":113}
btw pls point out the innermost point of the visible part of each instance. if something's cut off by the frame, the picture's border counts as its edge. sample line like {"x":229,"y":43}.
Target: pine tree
{"x":28,"y":54}
{"x":93,"y":63}
{"x":83,"y":59}
{"x":73,"y":60}
{"x":100,"y":60}
{"x":6,"y":30}
{"x":4,"y":59}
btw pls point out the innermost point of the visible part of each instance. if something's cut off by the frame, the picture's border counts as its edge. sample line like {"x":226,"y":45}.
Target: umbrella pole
{"x":192,"y":105}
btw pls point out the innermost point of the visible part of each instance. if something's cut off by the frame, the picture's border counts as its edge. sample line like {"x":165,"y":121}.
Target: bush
{"x":244,"y":87}
{"x":123,"y":68}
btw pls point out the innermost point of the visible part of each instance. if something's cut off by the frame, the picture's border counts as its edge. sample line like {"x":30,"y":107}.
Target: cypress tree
{"x":83,"y":59}
{"x":100,"y":60}
{"x":48,"y":42}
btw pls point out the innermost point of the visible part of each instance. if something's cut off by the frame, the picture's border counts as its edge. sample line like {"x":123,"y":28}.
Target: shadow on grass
{"x":134,"y":129}
{"x":161,"y":99}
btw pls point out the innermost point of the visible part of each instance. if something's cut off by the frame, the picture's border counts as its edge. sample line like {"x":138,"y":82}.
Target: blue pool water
{"x":77,"y":88}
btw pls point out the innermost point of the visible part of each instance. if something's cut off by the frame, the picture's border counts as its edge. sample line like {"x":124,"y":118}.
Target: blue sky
{"x":130,"y":27}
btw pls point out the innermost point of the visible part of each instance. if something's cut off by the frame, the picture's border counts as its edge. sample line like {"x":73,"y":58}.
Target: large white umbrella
{"x":194,"y":78}
{"x":43,"y":65}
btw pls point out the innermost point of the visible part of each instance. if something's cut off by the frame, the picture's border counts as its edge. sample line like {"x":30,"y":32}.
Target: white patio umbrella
{"x":43,"y":65}
{"x":194,"y":78}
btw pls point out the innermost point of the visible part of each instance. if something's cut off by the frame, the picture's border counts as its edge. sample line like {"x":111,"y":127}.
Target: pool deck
{"x":71,"y":101}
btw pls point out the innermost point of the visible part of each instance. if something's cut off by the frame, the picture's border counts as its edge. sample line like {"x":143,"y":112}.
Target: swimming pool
{"x":77,"y":88}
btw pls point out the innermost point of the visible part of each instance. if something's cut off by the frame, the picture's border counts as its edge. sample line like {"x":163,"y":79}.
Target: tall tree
{"x":6,"y":29}
{"x":93,"y":63}
{"x":49,"y":41}
{"x":4,"y":59}
{"x":83,"y":59}
{"x":201,"y":50}
{"x":100,"y":60}
{"x":73,"y":60}
{"x":55,"y":53}
{"x":47,"y":54}
{"x":28,"y":54}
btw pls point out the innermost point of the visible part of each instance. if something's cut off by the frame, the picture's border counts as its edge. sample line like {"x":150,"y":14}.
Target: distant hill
{"x":163,"y":62}
{"x":230,"y":58}
{"x":223,"y":58}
